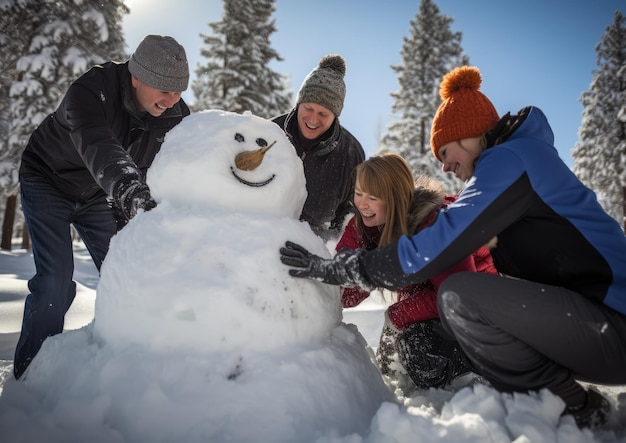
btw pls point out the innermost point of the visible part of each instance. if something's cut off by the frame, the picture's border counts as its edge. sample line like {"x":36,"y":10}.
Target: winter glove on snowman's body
{"x":344,"y":269}
{"x":378,"y":268}
{"x":130,"y":195}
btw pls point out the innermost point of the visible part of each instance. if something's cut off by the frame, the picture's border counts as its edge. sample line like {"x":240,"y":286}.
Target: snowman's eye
{"x":239,"y":137}
{"x":261,"y":142}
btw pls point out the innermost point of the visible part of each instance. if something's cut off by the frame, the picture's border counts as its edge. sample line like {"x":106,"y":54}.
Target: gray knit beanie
{"x":161,"y":63}
{"x":324,"y":85}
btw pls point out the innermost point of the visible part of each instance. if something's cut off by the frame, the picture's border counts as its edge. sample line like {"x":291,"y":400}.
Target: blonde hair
{"x":390,"y":178}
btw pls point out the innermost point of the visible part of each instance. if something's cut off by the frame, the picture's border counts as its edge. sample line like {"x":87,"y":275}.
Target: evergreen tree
{"x":14,"y":20}
{"x":600,"y":153}
{"x":45,"y":45}
{"x":430,"y":51}
{"x":58,"y":41}
{"x":236,"y":76}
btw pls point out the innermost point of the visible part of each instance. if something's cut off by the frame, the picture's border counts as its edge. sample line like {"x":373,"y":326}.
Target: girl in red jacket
{"x":390,"y":203}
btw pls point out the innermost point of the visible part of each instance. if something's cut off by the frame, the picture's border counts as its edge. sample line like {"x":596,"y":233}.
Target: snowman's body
{"x":239,"y":227}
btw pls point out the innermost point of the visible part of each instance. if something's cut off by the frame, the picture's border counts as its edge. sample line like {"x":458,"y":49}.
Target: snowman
{"x":200,"y":334}
{"x":229,"y":187}
{"x":223,"y":312}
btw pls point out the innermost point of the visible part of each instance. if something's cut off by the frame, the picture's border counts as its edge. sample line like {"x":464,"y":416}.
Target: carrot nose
{"x":249,"y":160}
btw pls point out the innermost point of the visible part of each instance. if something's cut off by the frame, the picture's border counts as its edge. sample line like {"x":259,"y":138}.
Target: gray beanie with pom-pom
{"x":324,"y":85}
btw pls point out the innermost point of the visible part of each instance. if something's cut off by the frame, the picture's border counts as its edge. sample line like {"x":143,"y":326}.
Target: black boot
{"x":430,"y":356}
{"x":593,"y":413}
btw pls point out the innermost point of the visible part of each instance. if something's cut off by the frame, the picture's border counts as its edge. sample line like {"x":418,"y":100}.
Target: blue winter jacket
{"x":550,"y":227}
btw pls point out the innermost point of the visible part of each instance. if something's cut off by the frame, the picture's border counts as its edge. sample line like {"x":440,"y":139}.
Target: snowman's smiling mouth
{"x":253,"y":184}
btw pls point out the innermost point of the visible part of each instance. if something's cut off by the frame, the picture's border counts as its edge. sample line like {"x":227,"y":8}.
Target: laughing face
{"x":371,"y":208}
{"x":459,"y":156}
{"x":153,"y":101}
{"x":314,"y":120}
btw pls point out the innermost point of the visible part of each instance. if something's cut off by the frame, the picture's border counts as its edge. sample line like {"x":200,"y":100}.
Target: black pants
{"x":49,"y":215}
{"x":524,"y":336}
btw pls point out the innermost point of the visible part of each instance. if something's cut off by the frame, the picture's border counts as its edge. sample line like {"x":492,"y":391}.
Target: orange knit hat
{"x":465,"y":111}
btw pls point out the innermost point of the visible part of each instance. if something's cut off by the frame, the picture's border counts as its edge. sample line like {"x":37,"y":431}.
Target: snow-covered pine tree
{"x":600,"y":152}
{"x":54,"y":41}
{"x":63,"y":38}
{"x":14,"y":21}
{"x":430,"y":51}
{"x":237,"y":76}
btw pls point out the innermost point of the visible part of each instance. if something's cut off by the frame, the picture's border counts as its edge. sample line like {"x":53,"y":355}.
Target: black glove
{"x":341,"y":270}
{"x":132,"y":195}
{"x":120,"y":218}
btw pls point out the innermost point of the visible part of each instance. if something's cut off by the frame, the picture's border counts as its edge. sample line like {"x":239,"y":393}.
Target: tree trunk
{"x":7,"y":224}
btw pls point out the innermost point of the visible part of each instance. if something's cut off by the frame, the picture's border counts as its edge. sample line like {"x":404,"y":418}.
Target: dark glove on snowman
{"x":130,"y":195}
{"x":343,"y":269}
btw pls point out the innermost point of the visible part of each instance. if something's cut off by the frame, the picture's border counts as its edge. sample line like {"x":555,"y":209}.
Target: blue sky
{"x":532,"y":52}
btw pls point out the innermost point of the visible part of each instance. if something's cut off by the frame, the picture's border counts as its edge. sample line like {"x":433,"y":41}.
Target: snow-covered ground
{"x":472,"y":414}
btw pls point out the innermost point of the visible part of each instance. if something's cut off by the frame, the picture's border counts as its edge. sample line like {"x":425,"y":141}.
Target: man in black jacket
{"x":328,"y":151}
{"x":85,"y":165}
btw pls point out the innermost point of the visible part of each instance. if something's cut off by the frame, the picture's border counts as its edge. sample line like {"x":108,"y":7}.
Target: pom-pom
{"x":334,"y":62}
{"x":467,"y":77}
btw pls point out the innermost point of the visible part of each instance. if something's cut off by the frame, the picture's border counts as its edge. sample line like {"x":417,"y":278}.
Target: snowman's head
{"x":225,"y":160}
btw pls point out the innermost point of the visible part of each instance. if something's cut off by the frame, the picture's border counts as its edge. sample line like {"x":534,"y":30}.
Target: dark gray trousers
{"x":525,"y":336}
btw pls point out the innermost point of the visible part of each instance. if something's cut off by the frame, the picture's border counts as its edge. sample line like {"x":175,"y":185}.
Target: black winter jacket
{"x":329,"y":168}
{"x":96,"y":136}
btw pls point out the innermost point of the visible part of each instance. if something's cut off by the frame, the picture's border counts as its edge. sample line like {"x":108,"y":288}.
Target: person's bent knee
{"x":450,"y":291}
{"x":465,"y":287}
{"x":457,"y":281}
{"x":460,"y":296}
